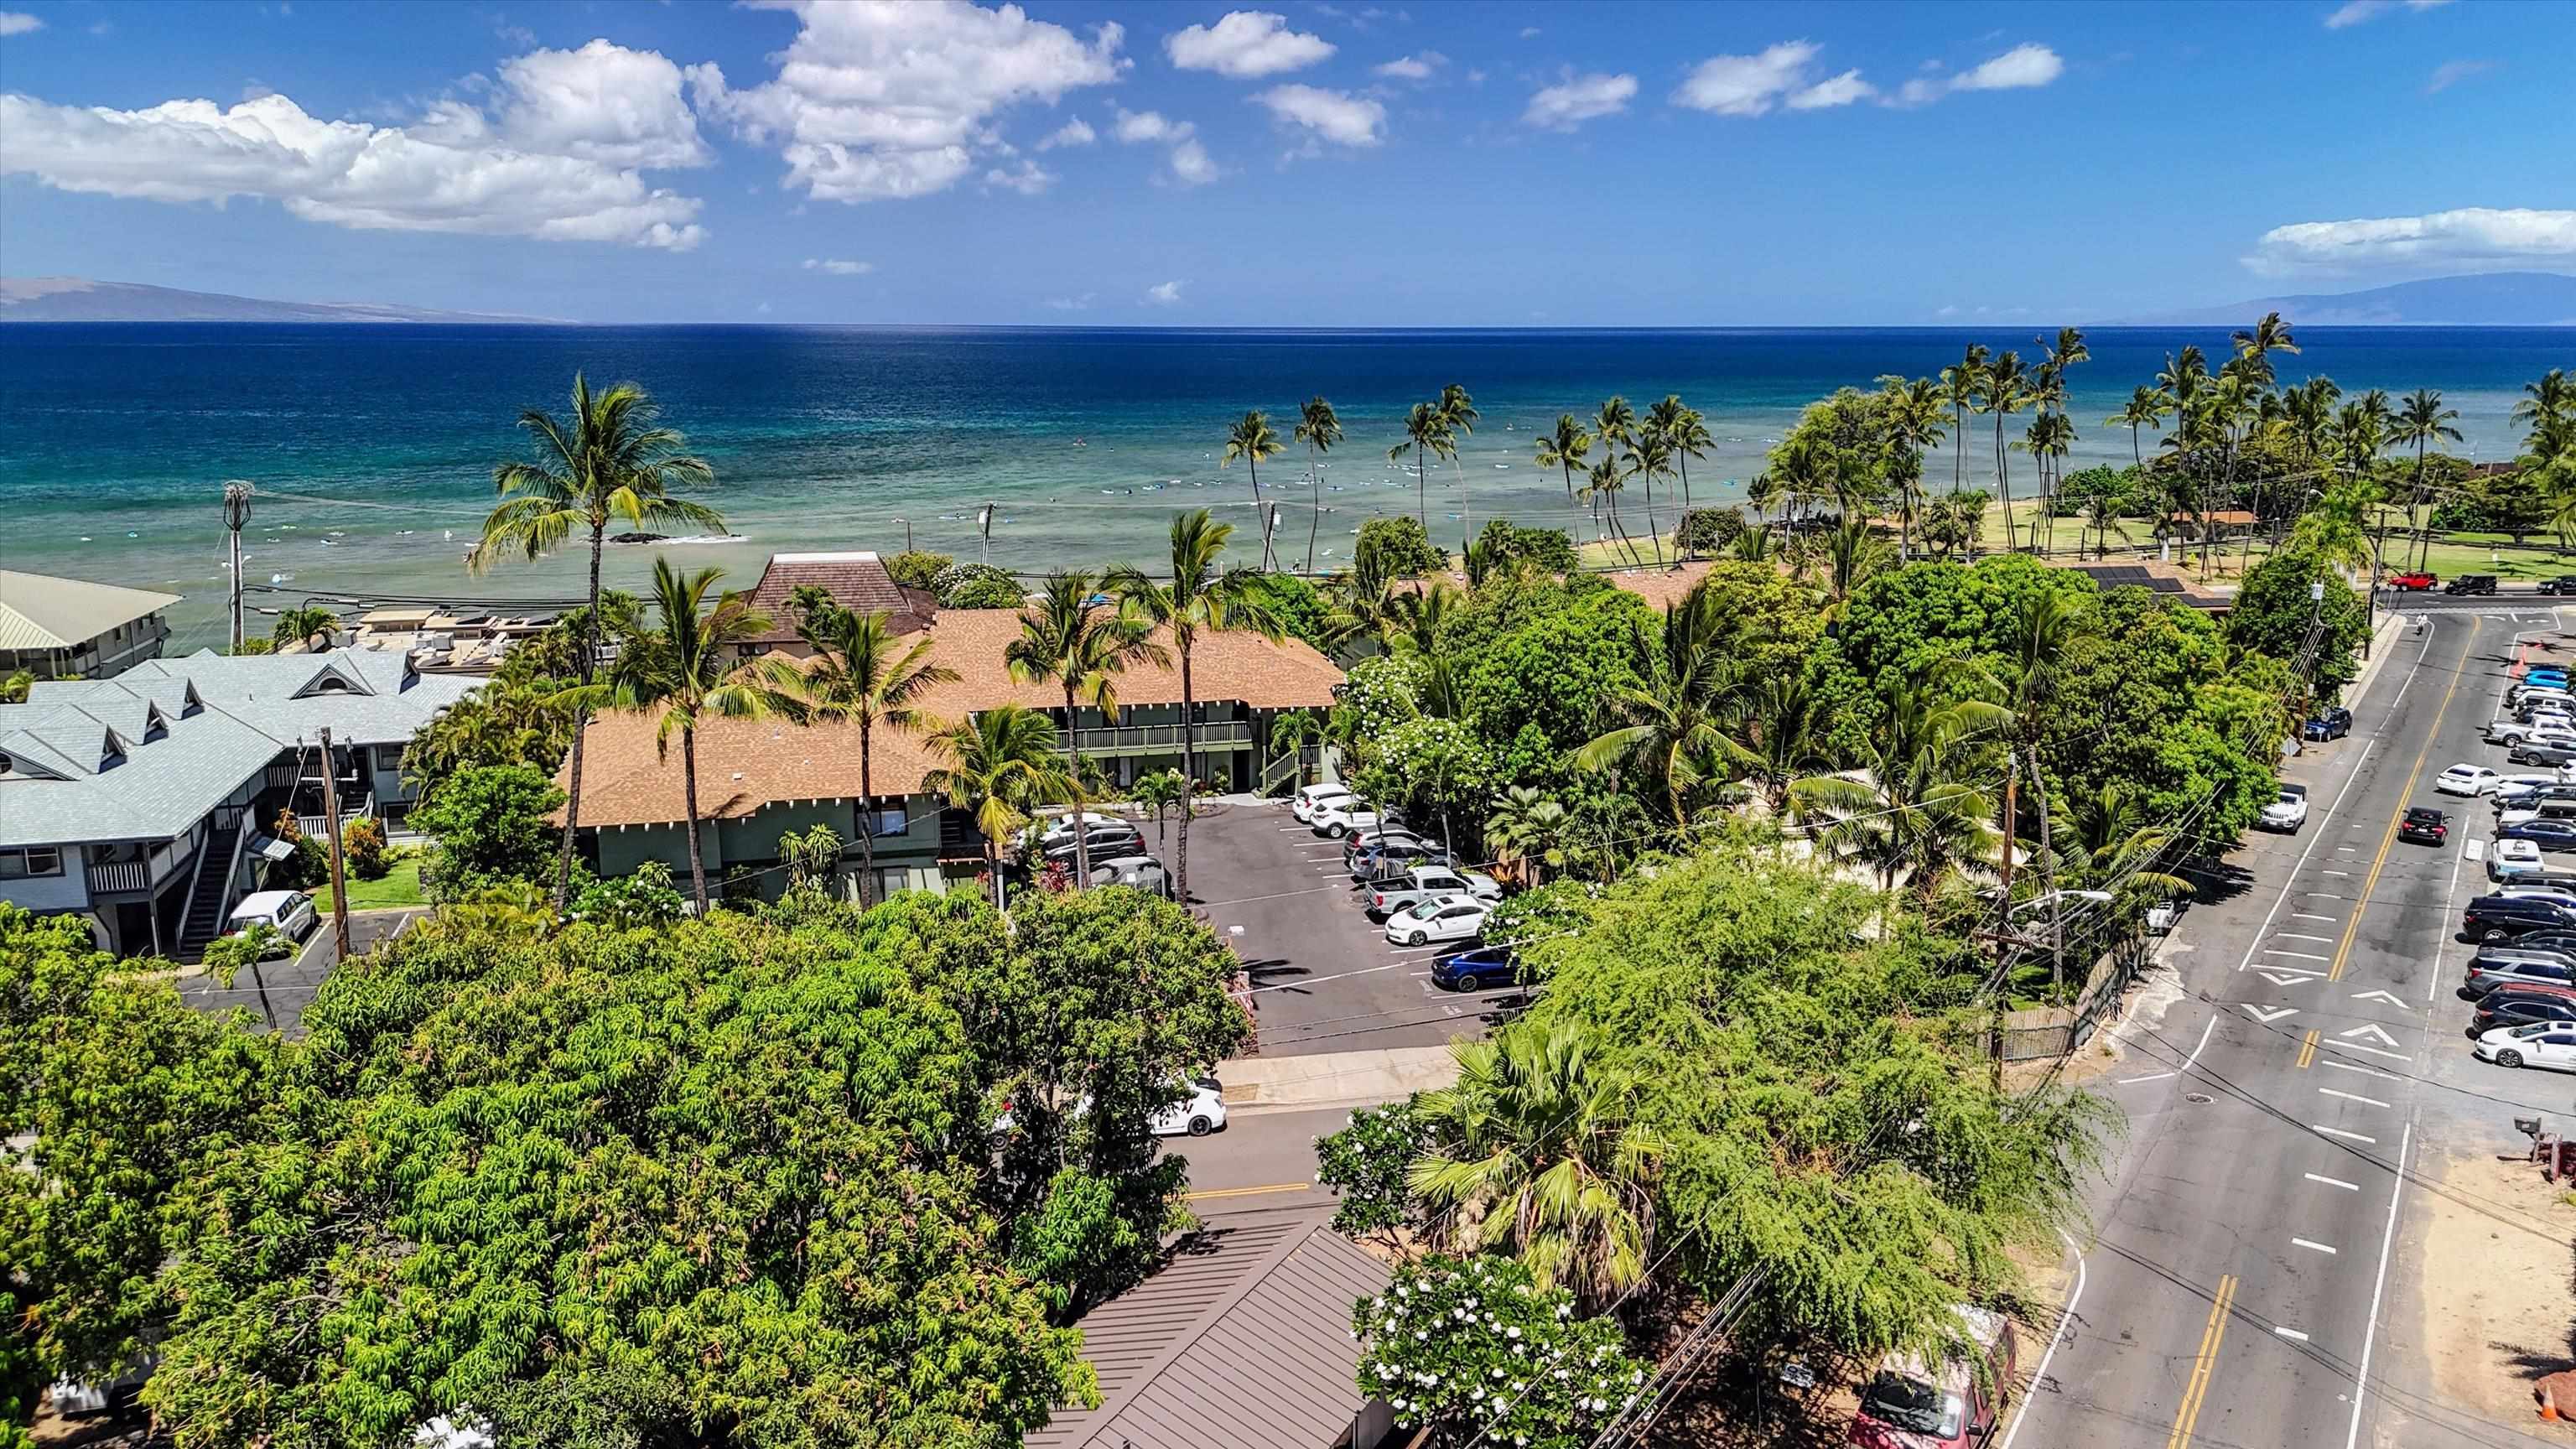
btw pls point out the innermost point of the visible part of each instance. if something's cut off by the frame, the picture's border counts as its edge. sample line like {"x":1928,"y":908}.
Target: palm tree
{"x":1525,"y":833}
{"x":2059,"y":356}
{"x":1961,"y":387}
{"x":1685,"y":435}
{"x":2024,"y":681}
{"x":310,"y":625}
{"x":2424,"y":421}
{"x":1615,"y":426}
{"x":2050,"y":437}
{"x":1162,"y":791}
{"x":1604,"y":481}
{"x":1458,"y":417}
{"x":2148,"y":408}
{"x":1414,"y":616}
{"x":2545,"y":405}
{"x":1564,"y":449}
{"x":1200,"y":598}
{"x":1853,"y":555}
{"x":1319,"y":428}
{"x":1074,"y":640}
{"x":1425,"y":432}
{"x":684,"y":672}
{"x":1671,"y":720}
{"x":1363,"y":597}
{"x":861,"y":672}
{"x":1001,"y":766}
{"x":1753,"y":545}
{"x":1250,"y":438}
{"x":1912,"y":415}
{"x":1777,"y":735}
{"x":2102,"y":516}
{"x":2007,"y":391}
{"x":1910,"y":809}
{"x":608,"y":462}
{"x":2257,"y":345}
{"x":1650,"y":457}
{"x":1538,"y":1148}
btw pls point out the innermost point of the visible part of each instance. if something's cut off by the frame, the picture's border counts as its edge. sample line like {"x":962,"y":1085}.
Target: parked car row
{"x":2521,"y":982}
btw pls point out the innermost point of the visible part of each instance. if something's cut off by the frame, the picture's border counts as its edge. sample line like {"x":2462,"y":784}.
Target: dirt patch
{"x":2499,"y":1285}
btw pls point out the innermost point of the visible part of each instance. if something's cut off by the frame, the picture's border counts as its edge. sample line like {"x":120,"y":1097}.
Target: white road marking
{"x":2372,"y":1030}
{"x":2361,"y":1376}
{"x":2290,"y":1333}
{"x":2339,"y":1132}
{"x":2296,"y":936}
{"x":2349,"y":1046}
{"x":2311,"y":1247}
{"x":2267,"y":1017}
{"x":2381,"y":995}
{"x":2149,"y":1077}
{"x":2345,"y":850}
{"x":2333,"y":1182}
{"x":2349,"y":1097}
{"x":2203,"y":1045}
{"x":2064,"y":1318}
{"x":2313,"y":916}
{"x":2301,"y":955}
{"x":2357,"y":1067}
{"x":2344,"y":873}
{"x":2287,"y":978}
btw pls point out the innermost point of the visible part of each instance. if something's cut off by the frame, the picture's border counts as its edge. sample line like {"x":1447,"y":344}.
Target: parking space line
{"x":2349,"y":1097}
{"x":2312,"y":1247}
{"x":2333,"y":1182}
{"x":2296,"y":936}
{"x":2339,"y":1132}
{"x":2365,"y":1071}
{"x":2290,"y":1333}
{"x":2313,"y":916}
{"x":2302,"y":955}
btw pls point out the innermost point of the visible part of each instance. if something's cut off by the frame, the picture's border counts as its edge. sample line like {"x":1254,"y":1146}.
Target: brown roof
{"x":1662,"y":587}
{"x":1242,"y":1339}
{"x":746,"y":764}
{"x":858,"y":581}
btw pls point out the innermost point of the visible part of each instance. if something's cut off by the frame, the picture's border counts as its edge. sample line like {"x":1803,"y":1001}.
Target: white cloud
{"x":876,"y":101}
{"x":1529,"y":32}
{"x":839,"y":268}
{"x":1746,"y":85}
{"x":2470,"y":239}
{"x":1165,"y":294}
{"x":1191,"y":165}
{"x":1072,"y":304}
{"x":545,"y":167}
{"x":2020,"y":68}
{"x":1840,"y":90}
{"x":2354,"y":12}
{"x":1577,"y":99}
{"x":602,"y":103}
{"x":1075,"y":132}
{"x":1135,"y":126}
{"x":1246,"y":44}
{"x":2451,"y":72}
{"x":1334,"y":115}
{"x":18,"y":22}
{"x":1028,"y":179}
{"x":2024,"y":66}
{"x":1418,"y":66}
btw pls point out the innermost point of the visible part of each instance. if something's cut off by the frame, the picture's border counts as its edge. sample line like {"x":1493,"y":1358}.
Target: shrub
{"x":978,"y":586}
{"x":1709,"y":530}
{"x":1403,"y":545}
{"x":917,"y":569}
{"x":1474,"y":1348}
{"x":1365,"y":1164}
{"x":362,"y":849}
{"x":1545,"y":548}
{"x":490,"y":824}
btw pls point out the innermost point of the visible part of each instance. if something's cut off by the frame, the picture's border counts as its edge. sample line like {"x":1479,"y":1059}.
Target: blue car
{"x":1475,"y":968}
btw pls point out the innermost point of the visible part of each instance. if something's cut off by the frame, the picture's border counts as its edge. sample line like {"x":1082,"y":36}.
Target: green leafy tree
{"x":1001,"y":767}
{"x":2273,"y":614}
{"x":645,"y":900}
{"x":1365,"y":1165}
{"x":1546,"y":549}
{"x":1403,"y":547}
{"x":918,"y":569}
{"x":1709,"y":530}
{"x":16,"y":685}
{"x":1302,"y":609}
{"x":978,"y":586}
{"x":610,"y":460}
{"x":490,"y":824}
{"x":1431,"y":769}
{"x":1476,"y":1351}
{"x":861,"y":673}
{"x":1074,"y":639}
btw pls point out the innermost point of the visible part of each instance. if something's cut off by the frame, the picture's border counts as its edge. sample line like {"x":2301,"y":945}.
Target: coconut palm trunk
{"x":867,"y":820}
{"x":1073,"y":771}
{"x":2003,"y":481}
{"x":1189,"y":772}
{"x":1315,"y":523}
{"x":581,"y":724}
{"x":689,"y":790}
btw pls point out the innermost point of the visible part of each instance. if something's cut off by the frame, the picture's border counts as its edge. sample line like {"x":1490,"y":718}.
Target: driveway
{"x":278,"y":991}
{"x":1324,"y":978}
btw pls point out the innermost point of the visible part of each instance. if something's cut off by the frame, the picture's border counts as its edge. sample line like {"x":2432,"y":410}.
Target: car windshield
{"x":1910,"y":1404}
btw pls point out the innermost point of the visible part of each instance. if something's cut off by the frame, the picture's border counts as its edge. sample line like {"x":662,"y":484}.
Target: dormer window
{"x":331,"y":684}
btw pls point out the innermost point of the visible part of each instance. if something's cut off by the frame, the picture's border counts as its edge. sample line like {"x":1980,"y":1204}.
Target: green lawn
{"x":399,"y":888}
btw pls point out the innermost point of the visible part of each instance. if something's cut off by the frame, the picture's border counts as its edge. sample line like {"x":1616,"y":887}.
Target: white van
{"x":290,"y":912}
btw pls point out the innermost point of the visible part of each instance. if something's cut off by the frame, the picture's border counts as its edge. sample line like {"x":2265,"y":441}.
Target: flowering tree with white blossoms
{"x":1470,"y":1347}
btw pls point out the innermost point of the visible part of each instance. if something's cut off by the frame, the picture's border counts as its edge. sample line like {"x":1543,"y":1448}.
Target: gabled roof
{"x":858,"y":581}
{"x":365,"y":696}
{"x":1242,"y":1339}
{"x":1231,"y":665}
{"x":40,"y":611}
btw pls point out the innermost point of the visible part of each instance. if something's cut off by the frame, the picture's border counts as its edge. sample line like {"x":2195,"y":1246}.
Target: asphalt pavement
{"x":2238,"y":1291}
{"x":276,"y":992}
{"x":1261,"y":1159}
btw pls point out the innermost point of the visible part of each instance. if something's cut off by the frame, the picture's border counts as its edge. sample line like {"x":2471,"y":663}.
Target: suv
{"x":2412,"y":582}
{"x":2485,"y":976}
{"x":1367,"y":855}
{"x":2514,"y":1005}
{"x":1395,"y":894}
{"x":2424,"y":825}
{"x":1474,"y":968}
{"x":2501,"y":918}
{"x":2287,"y":812}
{"x":2563,"y":584}
{"x":2332,"y":724}
{"x":2471,"y":584}
{"x":2542,"y":752}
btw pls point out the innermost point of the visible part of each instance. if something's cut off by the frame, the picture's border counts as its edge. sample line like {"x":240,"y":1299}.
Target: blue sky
{"x":1341,"y":164}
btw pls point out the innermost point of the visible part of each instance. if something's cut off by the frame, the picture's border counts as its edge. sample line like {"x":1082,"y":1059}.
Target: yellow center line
{"x":2188,"y":1416}
{"x":2308,"y":1048}
{"x":1247,"y":1191}
{"x":2369,"y":884}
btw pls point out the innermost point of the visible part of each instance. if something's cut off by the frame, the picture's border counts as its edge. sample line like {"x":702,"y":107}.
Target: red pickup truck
{"x":2418,"y":580}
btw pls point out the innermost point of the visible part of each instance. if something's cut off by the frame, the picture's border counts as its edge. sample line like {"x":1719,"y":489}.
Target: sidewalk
{"x":1334,"y":1079}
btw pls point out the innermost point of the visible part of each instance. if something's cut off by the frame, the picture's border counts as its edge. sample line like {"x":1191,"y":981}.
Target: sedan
{"x":1441,"y":918}
{"x":2545,"y":833}
{"x":2424,"y":825}
{"x":1475,"y":968}
{"x":1202,"y":1114}
{"x":2563,"y":584}
{"x":2466,"y":780}
{"x":2331,"y":724}
{"x":2549,"y":1044}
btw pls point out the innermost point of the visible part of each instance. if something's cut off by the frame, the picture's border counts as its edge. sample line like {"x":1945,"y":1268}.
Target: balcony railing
{"x":1211,"y":734}
{"x":149,"y":873}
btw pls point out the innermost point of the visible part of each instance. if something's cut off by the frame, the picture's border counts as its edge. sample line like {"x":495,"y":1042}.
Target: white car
{"x":2513,"y":859}
{"x":2467,"y":780}
{"x":1303,"y":805}
{"x":1431,"y":880}
{"x":2536,"y":892}
{"x":1202,"y":1114}
{"x":1440,"y":918}
{"x":290,"y":912}
{"x":2549,"y":1044}
{"x":2288,"y":810}
{"x":1338,"y":818}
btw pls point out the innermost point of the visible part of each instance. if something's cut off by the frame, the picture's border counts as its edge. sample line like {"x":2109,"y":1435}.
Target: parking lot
{"x":1324,"y":977}
{"x":276,"y":992}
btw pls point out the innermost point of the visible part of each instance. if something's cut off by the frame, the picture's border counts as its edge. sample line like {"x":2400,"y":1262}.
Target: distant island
{"x":79,"y":299}
{"x":2493,"y":299}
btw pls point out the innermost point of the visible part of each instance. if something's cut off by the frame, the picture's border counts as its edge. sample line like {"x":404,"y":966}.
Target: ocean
{"x":374,"y":445}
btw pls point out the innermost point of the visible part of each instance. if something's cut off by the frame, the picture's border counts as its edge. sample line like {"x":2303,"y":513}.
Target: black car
{"x":2546,"y":833}
{"x":2471,"y":584}
{"x":2514,"y":1005}
{"x":2563,"y":584}
{"x":2501,"y":918}
{"x":2332,"y":724}
{"x":1475,"y":967}
{"x":2424,"y":825}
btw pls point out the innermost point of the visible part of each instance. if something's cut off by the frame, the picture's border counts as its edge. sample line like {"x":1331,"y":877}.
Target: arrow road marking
{"x":2382,"y":996}
{"x":2267,"y":1017}
{"x":2287,"y":978}
{"x":2372,"y":1031}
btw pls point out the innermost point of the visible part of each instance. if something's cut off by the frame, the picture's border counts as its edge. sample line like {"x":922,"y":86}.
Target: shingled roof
{"x":859,"y":581}
{"x":1242,"y":1339}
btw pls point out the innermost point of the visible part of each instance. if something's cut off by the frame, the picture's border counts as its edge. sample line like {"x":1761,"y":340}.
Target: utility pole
{"x":984,"y":522}
{"x":236,"y":513}
{"x":2012,"y":791}
{"x":331,"y":822}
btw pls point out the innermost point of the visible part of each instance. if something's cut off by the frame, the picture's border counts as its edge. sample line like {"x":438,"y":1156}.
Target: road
{"x":277,"y":992}
{"x":1262,"y":1159}
{"x":2239,"y":1290}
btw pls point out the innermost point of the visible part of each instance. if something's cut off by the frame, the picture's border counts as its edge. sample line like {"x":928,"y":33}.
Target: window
{"x":39,"y":860}
{"x":890,"y":822}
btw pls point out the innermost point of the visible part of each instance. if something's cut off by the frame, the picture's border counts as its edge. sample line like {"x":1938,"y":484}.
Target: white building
{"x":71,"y":628}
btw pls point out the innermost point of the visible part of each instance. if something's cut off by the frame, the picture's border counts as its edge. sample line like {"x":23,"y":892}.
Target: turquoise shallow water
{"x":115,"y":438}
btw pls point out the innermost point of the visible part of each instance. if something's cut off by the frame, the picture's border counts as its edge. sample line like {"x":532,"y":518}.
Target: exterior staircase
{"x":204,"y":918}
